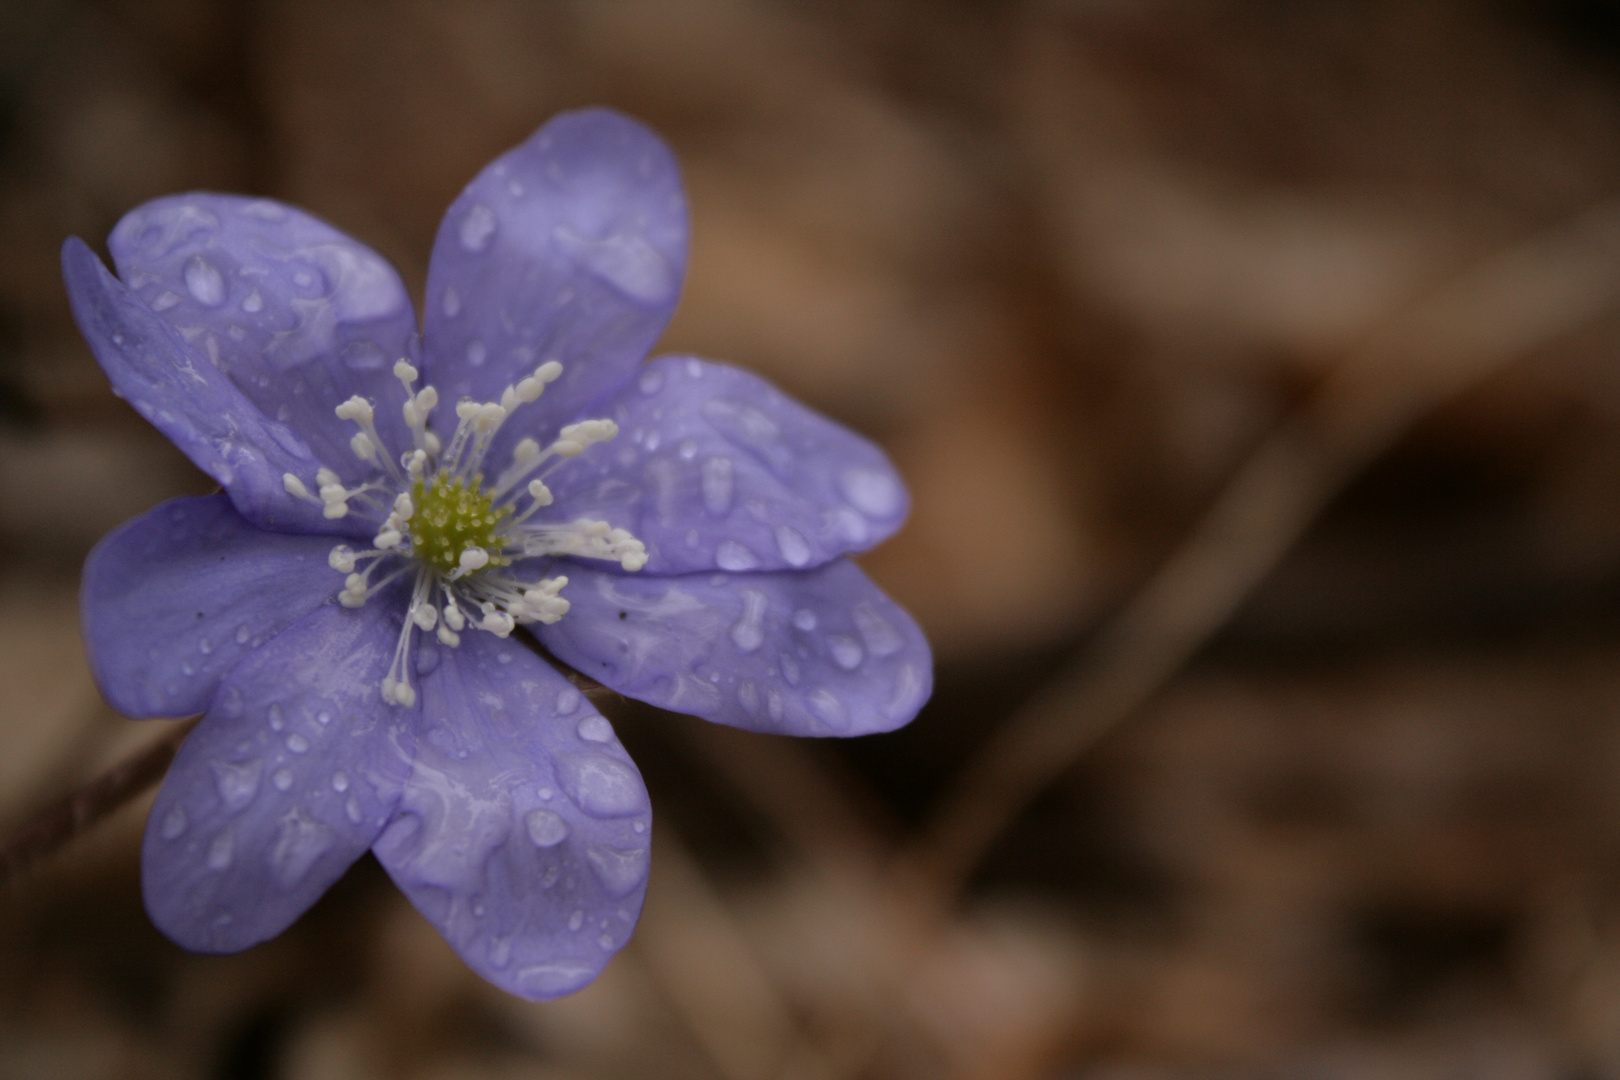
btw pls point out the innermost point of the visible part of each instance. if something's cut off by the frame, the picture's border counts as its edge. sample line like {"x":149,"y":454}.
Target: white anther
{"x":341,"y":559}
{"x":489,"y":418}
{"x":415,"y":462}
{"x":473,"y":558}
{"x":539,"y":492}
{"x":498,"y":623}
{"x":398,"y":692}
{"x":403,"y":507}
{"x":356,"y":408}
{"x":433,"y":443}
{"x":449,"y":637}
{"x":453,"y":618}
{"x":510,"y":399}
{"x":548,"y":371}
{"x":294,"y":486}
{"x":525,"y":451}
{"x":363,"y":447}
{"x":574,"y":438}
{"x":425,"y":616}
{"x":334,"y":510}
{"x":467,"y":408}
{"x":413,"y":415}
{"x":404,"y":371}
{"x":427,"y":400}
{"x":325,"y":478}
{"x":388,"y":539}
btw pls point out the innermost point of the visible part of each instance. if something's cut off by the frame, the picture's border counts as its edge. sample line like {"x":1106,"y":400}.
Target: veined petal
{"x":181,"y":393}
{"x":523,"y":830}
{"x":714,"y":468}
{"x":570,"y":247}
{"x":820,"y":652}
{"x":173,"y":600}
{"x":287,"y":780}
{"x":296,"y":314}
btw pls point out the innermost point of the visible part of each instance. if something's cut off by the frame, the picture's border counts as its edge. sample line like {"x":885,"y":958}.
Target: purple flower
{"x":397,"y":503}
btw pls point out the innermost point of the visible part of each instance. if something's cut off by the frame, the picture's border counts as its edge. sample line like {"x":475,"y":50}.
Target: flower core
{"x":458,"y":542}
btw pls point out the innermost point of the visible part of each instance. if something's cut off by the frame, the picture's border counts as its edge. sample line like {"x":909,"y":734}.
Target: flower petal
{"x":175,"y":387}
{"x":523,"y":831}
{"x":173,"y":600}
{"x":570,"y":247}
{"x":715,"y":468}
{"x":296,"y":314}
{"x":821,"y":652}
{"x":287,"y":780}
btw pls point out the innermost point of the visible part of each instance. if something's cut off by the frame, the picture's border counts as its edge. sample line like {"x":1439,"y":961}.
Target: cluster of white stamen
{"x":458,"y":540}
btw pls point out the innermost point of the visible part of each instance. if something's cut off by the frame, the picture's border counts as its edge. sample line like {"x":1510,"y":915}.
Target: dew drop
{"x":804,"y":619}
{"x":687,"y":449}
{"x":871,"y":491}
{"x":500,"y":953}
{"x":323,"y":717}
{"x":165,"y":300}
{"x":477,"y":226}
{"x":793,"y":546}
{"x":237,"y":783}
{"x":546,"y":793}
{"x":277,"y":722}
{"x":301,"y":841}
{"x":748,"y":697}
{"x":205,"y":646}
{"x":554,"y":979}
{"x":253,"y":302}
{"x":174,"y":824}
{"x":282,"y":778}
{"x":546,"y":829}
{"x":242,"y":635}
{"x":790,"y":669}
{"x":846,"y":652}
{"x":567,"y":701}
{"x":651,"y":381}
{"x":352,"y":809}
{"x":340,"y":782}
{"x":450,"y":303}
{"x":576,"y":920}
{"x":602,"y":786}
{"x":606,"y":941}
{"x":748,"y":633}
{"x":297,"y":743}
{"x":477,"y":353}
{"x":694,"y":369}
{"x":654,"y":437}
{"x":221,"y":851}
{"x":734,"y":557}
{"x":880,"y":637}
{"x":619,"y":870}
{"x":827,"y":706}
{"x":203,"y":282}
{"x":478,"y":909}
{"x":717,"y":484}
{"x":639,"y":827}
{"x":773,"y":705}
{"x":595,"y":729}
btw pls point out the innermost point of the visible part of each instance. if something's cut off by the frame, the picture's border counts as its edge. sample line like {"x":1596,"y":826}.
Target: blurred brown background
{"x":1256,"y":369}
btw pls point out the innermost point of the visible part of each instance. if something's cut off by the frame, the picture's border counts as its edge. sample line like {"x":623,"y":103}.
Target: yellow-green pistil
{"x":451,"y":516}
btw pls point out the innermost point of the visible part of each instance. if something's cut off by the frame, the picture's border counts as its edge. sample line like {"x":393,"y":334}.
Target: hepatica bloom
{"x":398,"y":504}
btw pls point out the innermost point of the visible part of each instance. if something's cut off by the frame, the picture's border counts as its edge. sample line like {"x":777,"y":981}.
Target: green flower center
{"x":451,"y":516}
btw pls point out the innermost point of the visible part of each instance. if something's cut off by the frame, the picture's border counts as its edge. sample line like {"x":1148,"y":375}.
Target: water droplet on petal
{"x":476,"y":353}
{"x":352,"y":809}
{"x":602,"y":786}
{"x":606,"y":941}
{"x":500,"y":952}
{"x":880,"y":637}
{"x":749,"y":632}
{"x":340,"y":782}
{"x":174,"y":824}
{"x":450,"y":303}
{"x":595,"y":729}
{"x":323,"y":717}
{"x":793,"y":546}
{"x":790,"y":669}
{"x":297,"y":743}
{"x":554,"y":979}
{"x":576,"y":920}
{"x":546,"y":829}
{"x":205,"y":646}
{"x":717,"y":484}
{"x":276,"y":719}
{"x":477,"y":226}
{"x":908,"y":686}
{"x":804,"y":619}
{"x":203,"y":282}
{"x":651,"y":381}
{"x":221,"y":850}
{"x":734,"y":557}
{"x":301,"y":841}
{"x":253,"y":302}
{"x":871,"y":491}
{"x":567,"y":701}
{"x":237,"y":783}
{"x":282,"y":778}
{"x":618,"y":870}
{"x":846,"y":652}
{"x":826,"y":705}
{"x":165,"y":300}
{"x":242,"y":635}
{"x":748,"y":697}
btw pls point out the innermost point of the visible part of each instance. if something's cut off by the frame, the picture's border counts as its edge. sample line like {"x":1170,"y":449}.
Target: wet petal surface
{"x":523,"y":830}
{"x":714,"y":468}
{"x":287,"y":780}
{"x":823,"y":652}
{"x":570,"y":247}
{"x":179,"y":391}
{"x":174,"y":599}
{"x":296,"y":314}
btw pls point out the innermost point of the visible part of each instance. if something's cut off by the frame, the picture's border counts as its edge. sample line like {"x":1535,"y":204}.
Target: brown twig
{"x":53,"y":827}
